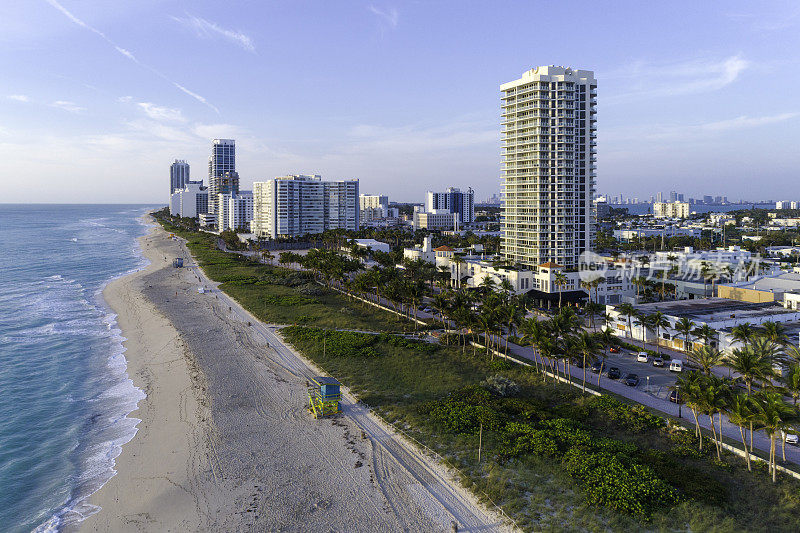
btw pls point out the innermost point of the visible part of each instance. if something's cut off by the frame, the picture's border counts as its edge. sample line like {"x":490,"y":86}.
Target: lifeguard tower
{"x":324,"y":396}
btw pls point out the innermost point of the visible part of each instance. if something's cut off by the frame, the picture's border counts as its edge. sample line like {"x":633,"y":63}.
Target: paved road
{"x":454,"y":502}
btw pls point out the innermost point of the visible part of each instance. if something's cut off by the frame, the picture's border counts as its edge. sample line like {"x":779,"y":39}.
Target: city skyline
{"x":402,"y":97}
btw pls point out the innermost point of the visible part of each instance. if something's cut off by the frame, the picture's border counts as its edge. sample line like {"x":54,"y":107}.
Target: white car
{"x":790,"y":438}
{"x":676,"y":365}
{"x":642,"y":357}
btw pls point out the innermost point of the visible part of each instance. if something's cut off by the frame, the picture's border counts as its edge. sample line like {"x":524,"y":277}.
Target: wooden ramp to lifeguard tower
{"x":324,"y":396}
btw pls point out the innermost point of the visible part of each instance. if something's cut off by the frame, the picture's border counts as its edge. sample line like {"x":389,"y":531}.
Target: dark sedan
{"x":597,"y":366}
{"x":632,"y":380}
{"x":614,"y":373}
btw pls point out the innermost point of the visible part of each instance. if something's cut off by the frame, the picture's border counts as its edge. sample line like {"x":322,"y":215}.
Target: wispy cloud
{"x":692,"y":132}
{"x":744,"y":122}
{"x":422,"y":138}
{"x":388,"y":17}
{"x":18,"y":97}
{"x":127,"y":53}
{"x":207,"y":29}
{"x":677,"y":79}
{"x":157,"y":112}
{"x":72,"y":107}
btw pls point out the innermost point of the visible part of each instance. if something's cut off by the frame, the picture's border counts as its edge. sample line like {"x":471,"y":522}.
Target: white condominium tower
{"x":548,"y":135}
{"x":373,"y":206}
{"x":178,"y":175}
{"x":453,"y":200}
{"x":221,"y":162}
{"x":296,"y":205}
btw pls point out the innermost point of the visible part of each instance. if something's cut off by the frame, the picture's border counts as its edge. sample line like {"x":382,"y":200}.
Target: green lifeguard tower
{"x":324,"y":396}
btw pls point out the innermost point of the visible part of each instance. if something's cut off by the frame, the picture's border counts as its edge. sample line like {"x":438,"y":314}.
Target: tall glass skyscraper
{"x":178,"y":175}
{"x":221,"y":162}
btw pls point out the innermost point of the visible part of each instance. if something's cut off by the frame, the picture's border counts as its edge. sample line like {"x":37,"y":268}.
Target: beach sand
{"x":225,"y":443}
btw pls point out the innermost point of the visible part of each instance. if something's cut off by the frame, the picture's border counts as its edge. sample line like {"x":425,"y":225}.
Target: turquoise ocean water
{"x":64,"y":390}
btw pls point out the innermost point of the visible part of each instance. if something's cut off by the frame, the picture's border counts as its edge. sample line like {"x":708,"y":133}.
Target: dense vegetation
{"x":553,"y":458}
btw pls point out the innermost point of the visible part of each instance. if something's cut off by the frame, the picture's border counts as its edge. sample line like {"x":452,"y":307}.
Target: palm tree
{"x":706,"y":358}
{"x":689,"y":388}
{"x":592,"y":309}
{"x":628,"y":311}
{"x":742,"y":333}
{"x":707,"y":333}
{"x":792,"y":354}
{"x":644,"y":324}
{"x":774,"y":331}
{"x":715,"y":398}
{"x":534,"y":332}
{"x":587,"y":344}
{"x":750,"y":365}
{"x":740,"y":413}
{"x":560,"y":280}
{"x":606,"y":338}
{"x":685,"y":327}
{"x":791,"y":381}
{"x":773,"y":415}
{"x":658,"y":322}
{"x":458,"y":262}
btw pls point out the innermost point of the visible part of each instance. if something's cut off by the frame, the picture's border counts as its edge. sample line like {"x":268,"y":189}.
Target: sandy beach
{"x":225,"y":443}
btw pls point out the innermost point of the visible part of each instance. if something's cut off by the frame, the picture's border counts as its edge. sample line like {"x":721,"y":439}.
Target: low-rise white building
{"x":373,"y":245}
{"x":720,"y":314}
{"x":190,"y":201}
{"x":440,"y":219}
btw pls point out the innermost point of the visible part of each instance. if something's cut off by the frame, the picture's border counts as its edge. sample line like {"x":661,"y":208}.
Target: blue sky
{"x":98,"y":97}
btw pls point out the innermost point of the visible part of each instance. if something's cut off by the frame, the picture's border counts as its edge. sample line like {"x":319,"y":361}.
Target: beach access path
{"x":261,"y":462}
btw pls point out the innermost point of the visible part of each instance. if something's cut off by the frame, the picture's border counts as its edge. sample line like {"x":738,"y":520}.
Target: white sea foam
{"x":98,"y":463}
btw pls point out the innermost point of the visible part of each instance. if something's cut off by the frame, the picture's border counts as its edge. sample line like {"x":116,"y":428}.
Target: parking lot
{"x":660,"y":377}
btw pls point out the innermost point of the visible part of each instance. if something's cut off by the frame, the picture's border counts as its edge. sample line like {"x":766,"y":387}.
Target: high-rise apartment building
{"x":178,"y":175}
{"x":373,"y":207}
{"x":453,"y":201}
{"x":549,"y":156}
{"x":222,"y":161}
{"x":235,"y":211}
{"x":299,"y":205}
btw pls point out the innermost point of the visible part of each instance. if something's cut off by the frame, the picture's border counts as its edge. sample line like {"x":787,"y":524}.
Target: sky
{"x":97,"y":98}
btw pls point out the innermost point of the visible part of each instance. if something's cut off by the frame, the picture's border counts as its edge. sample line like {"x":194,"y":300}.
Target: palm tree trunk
{"x":746,"y":452}
{"x":783,"y":447}
{"x":697,"y":431}
{"x":584,"y":373}
{"x":714,"y":432}
{"x":774,"y":461}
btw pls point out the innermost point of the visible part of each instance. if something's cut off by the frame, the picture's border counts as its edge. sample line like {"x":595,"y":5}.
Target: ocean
{"x":64,"y":391}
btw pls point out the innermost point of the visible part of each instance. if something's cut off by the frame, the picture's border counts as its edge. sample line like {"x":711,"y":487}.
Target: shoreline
{"x":128,"y":499}
{"x":225,"y":442}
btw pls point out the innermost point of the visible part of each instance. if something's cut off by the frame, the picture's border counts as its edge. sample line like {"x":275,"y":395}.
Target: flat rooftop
{"x":711,"y":310}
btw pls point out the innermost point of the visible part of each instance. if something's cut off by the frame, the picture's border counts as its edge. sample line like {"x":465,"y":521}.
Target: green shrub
{"x":500,"y":385}
{"x":616,"y":481}
{"x":633,"y":417}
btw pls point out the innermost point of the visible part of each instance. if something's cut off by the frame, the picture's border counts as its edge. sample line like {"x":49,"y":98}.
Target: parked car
{"x":614,"y":373}
{"x":676,"y":365}
{"x":790,"y":438}
{"x":659,"y":362}
{"x":613,"y":349}
{"x":675,"y":397}
{"x":427,"y":310}
{"x":597,"y":366}
{"x":642,"y":357}
{"x":632,"y":380}
{"x":577,"y":362}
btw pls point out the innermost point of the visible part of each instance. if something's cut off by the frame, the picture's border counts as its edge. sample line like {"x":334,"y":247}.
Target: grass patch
{"x":283,"y":296}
